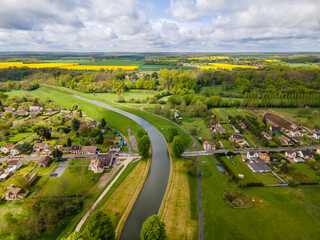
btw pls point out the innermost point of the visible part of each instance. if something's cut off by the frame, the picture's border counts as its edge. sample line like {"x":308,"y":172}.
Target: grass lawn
{"x":284,"y":208}
{"x":290,"y":113}
{"x":249,"y":177}
{"x":217,"y":88}
{"x":19,"y":136}
{"x":306,"y":170}
{"x":179,"y":211}
{"x":197,"y":123}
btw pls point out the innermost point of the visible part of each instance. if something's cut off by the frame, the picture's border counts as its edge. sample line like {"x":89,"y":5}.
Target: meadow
{"x":278,"y":213}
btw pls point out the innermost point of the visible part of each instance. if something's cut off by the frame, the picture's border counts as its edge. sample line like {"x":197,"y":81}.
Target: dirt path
{"x":107,"y":176}
{"x":133,"y":141}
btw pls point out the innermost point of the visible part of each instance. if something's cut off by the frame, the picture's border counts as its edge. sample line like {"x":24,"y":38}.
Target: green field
{"x":278,"y":216}
{"x":111,"y":62}
{"x":306,"y":170}
{"x":151,"y":68}
{"x":198,"y":123}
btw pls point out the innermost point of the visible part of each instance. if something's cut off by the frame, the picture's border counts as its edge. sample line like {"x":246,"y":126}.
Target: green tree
{"x":153,"y":229}
{"x":100,"y":227}
{"x":100,"y":138}
{"x":57,"y":154}
{"x":191,"y":167}
{"x":76,"y":236}
{"x":7,"y":115}
{"x":141,"y":133}
{"x":69,"y":142}
{"x":75,"y":124}
{"x":103,"y":123}
{"x":177,"y":146}
{"x":144,"y":145}
{"x":42,"y":131}
{"x":75,"y":106}
{"x":25,"y":148}
{"x":171,"y":133}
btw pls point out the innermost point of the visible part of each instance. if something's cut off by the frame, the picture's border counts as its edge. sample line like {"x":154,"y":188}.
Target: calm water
{"x":150,"y":198}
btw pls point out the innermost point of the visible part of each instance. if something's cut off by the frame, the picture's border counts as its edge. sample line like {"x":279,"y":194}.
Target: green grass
{"x":19,"y":136}
{"x":198,"y":123}
{"x":148,"y":68}
{"x":281,"y":208}
{"x":249,"y":177}
{"x":217,"y":88}
{"x":306,"y":170}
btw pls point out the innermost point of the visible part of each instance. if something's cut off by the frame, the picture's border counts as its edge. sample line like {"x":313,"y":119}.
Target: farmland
{"x":225,"y":66}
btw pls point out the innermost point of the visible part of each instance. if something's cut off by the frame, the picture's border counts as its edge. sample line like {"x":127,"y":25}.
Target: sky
{"x":160,"y":26}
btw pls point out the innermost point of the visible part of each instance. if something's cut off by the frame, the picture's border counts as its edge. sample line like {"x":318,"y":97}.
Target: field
{"x":278,"y":120}
{"x":111,"y":62}
{"x":152,"y":68}
{"x":273,"y":208}
{"x":225,"y":66}
{"x":197,"y":123}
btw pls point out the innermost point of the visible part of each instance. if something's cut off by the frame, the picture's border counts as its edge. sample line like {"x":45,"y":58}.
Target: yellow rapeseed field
{"x":271,"y":60}
{"x":70,"y":66}
{"x":209,"y":58}
{"x":224,"y":66}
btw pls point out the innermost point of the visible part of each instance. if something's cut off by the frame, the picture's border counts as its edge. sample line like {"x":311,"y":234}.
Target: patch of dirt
{"x":237,"y":200}
{"x":106,"y":177}
{"x":132,"y":140}
{"x":278,"y":120}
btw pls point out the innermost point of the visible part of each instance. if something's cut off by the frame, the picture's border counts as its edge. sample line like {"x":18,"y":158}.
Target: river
{"x":152,"y":193}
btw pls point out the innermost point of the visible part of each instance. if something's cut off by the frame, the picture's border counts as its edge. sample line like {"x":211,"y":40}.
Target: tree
{"x":103,"y":123}
{"x":100,"y":138}
{"x":69,"y":142}
{"x":171,"y":133}
{"x":141,"y":133}
{"x":7,"y":115}
{"x":284,"y":168}
{"x":100,"y":227}
{"x":177,"y":146}
{"x":25,"y":148}
{"x":191,"y":167}
{"x":75,"y":124}
{"x":42,"y":131}
{"x":315,"y":113}
{"x":57,"y":154}
{"x":76,"y":236}
{"x":144,"y":145}
{"x":153,"y":229}
{"x":75,"y":106}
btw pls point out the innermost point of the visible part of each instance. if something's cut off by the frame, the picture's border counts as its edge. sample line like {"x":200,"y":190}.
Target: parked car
{"x":54,"y":174}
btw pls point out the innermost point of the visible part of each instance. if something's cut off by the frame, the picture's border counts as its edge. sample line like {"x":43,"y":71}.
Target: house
{"x":307,"y":154}
{"x":22,"y":108}
{"x":234,"y":128}
{"x":35,"y":109}
{"x":31,"y":179}
{"x":317,"y":135}
{"x":236,"y":138}
{"x":218,"y":129}
{"x":318,"y":150}
{"x":290,"y":154}
{"x":65,"y":149}
{"x":264,"y":157}
{"x":257,"y":165}
{"x":176,"y":114}
{"x":294,"y":126}
{"x":286,"y":140}
{"x":100,"y":162}
{"x":15,"y":164}
{"x":315,"y":131}
{"x":67,"y":117}
{"x":76,"y":149}
{"x":89,"y":150}
{"x":209,"y":146}
{"x":9,"y":109}
{"x":115,"y":148}
{"x":275,"y":128}
{"x":252,"y":154}
{"x":15,"y":193}
{"x":296,"y":133}
{"x":15,"y":151}
{"x":5,"y":175}
{"x":65,"y":112}
{"x":6,"y":148}
{"x":22,"y":113}
{"x":243,"y":126}
{"x":93,"y":124}
{"x":266,"y":135}
{"x":47,"y":151}
{"x":38,"y":147}
{"x":49,"y":112}
{"x":44,"y":162}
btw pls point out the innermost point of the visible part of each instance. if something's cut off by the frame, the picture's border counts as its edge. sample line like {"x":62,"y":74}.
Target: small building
{"x":15,"y":193}
{"x":65,"y":149}
{"x":115,"y":148}
{"x":243,"y":126}
{"x":176,"y":114}
{"x":22,"y":108}
{"x":89,"y":150}
{"x":30,"y":180}
{"x":306,"y":154}
{"x":67,"y":117}
{"x":266,"y":135}
{"x":264,"y":157}
{"x":6,"y":148}
{"x":275,"y":128}
{"x":47,"y":151}
{"x":316,"y":135}
{"x":5,"y":175}
{"x":240,"y":176}
{"x":318,"y":150}
{"x":295,"y":126}
{"x":35,"y":109}
{"x":100,"y":162}
{"x":38,"y":147}
{"x":286,"y":140}
{"x":252,"y":154}
{"x":257,"y":165}
{"x":49,"y":112}
{"x":298,"y":160}
{"x":76,"y":149}
{"x":236,"y":138}
{"x":314,"y":131}
{"x":9,"y":109}
{"x":290,"y":154}
{"x":209,"y":146}
{"x":296,"y":133}
{"x":218,"y":129}
{"x":22,"y":113}
{"x":65,"y":112}
{"x":234,"y":129}
{"x":15,"y":151}
{"x":15,"y":164}
{"x":93,"y":124}
{"x":109,"y":139}
{"x":44,"y":162}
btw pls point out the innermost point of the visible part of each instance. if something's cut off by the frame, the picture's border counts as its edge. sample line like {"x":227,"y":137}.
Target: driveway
{"x":61,"y":167}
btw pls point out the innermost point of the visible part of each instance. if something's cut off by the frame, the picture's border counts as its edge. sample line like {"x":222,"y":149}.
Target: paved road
{"x":85,"y":217}
{"x":61,"y":168}
{"x":244,"y":151}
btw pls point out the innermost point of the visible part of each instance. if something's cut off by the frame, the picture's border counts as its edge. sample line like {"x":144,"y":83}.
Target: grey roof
{"x":258,"y":167}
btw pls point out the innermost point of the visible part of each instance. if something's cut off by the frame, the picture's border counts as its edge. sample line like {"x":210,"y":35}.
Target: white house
{"x":316,"y":135}
{"x":290,"y":154}
{"x":209,"y":146}
{"x":252,"y":154}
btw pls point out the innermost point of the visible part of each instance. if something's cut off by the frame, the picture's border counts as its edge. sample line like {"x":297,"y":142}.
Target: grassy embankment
{"x":277,"y":212}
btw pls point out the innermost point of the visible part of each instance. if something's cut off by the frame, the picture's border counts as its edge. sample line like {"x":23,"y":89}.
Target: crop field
{"x":111,"y":62}
{"x":67,"y":65}
{"x":225,"y":66}
{"x":151,"y":68}
{"x":273,"y":208}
